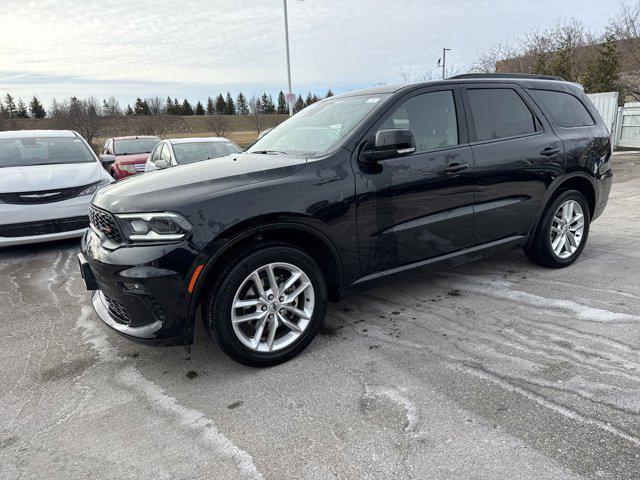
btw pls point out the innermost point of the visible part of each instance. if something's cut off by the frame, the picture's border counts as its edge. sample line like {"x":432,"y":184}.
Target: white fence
{"x":624,"y":121}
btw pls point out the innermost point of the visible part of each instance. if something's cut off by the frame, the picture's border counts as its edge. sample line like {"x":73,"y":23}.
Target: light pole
{"x":286,"y":40}
{"x":444,"y":59}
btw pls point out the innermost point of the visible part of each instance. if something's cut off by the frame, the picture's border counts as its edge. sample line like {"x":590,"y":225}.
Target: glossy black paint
{"x":364,"y":221}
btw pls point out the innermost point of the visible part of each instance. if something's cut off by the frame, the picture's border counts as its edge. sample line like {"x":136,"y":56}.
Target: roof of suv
{"x":525,"y":79}
{"x":37,"y":133}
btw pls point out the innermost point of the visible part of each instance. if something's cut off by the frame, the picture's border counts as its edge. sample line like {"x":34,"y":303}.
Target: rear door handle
{"x":547,"y":152}
{"x":456,"y":167}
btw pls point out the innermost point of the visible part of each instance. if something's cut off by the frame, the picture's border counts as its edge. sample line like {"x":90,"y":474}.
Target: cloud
{"x":193,"y":46}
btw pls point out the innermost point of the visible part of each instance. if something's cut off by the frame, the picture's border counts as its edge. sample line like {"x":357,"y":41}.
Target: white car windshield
{"x":23,"y":152}
{"x":319,"y":127}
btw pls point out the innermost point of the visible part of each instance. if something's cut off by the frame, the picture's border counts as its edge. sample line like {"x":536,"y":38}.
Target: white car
{"x":177,"y":151}
{"x":47,"y":179}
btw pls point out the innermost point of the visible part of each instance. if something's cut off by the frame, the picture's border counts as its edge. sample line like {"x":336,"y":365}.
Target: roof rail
{"x":526,"y":76}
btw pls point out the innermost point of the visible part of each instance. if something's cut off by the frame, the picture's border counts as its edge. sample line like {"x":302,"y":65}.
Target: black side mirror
{"x":390,"y":144}
{"x":107,"y":159}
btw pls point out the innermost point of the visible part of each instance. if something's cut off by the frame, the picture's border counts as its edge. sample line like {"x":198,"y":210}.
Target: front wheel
{"x":562,"y":232}
{"x":268,"y":305}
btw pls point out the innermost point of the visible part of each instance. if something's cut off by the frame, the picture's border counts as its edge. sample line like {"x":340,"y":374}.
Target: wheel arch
{"x":297,"y":232}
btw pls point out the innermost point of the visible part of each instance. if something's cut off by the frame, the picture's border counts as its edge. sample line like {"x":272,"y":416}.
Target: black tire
{"x":217,"y":307}
{"x":539,"y":250}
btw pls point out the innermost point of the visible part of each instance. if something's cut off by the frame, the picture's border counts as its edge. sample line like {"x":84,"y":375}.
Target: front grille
{"x":117,"y":310}
{"x":106,"y":223}
{"x":41,"y":196}
{"x":45,"y":227}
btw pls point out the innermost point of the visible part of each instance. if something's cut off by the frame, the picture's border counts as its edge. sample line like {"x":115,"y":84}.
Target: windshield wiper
{"x":269,"y":152}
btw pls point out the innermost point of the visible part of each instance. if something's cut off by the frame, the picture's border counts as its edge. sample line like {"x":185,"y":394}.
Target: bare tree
{"x":625,"y":27}
{"x":83,"y":116}
{"x":406,"y":73}
{"x":111,"y":107}
{"x":256,"y":112}
{"x":220,"y":124}
{"x":158,"y":125}
{"x":156,"y":105}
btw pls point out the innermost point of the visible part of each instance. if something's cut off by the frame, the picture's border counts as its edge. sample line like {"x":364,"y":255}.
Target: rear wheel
{"x":562,"y":232}
{"x":267,"y":305}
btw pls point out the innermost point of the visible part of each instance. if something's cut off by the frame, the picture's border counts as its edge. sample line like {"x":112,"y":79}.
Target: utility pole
{"x":286,"y":40}
{"x":444,"y":59}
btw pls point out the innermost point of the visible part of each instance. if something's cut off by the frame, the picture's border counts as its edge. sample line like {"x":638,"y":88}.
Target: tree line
{"x":10,"y":107}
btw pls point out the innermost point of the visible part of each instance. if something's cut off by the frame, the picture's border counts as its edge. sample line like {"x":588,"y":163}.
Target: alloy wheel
{"x":273,"y":307}
{"x":567,"y":228}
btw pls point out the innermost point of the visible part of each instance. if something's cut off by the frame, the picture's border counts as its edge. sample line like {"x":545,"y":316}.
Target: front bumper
{"x":44,"y":222}
{"x":140,"y":291}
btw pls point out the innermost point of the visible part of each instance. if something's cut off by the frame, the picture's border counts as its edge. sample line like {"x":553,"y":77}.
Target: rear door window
{"x":500,"y":113}
{"x":565,"y":109}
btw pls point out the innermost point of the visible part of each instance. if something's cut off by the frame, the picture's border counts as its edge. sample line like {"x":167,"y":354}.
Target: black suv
{"x":352,"y":189}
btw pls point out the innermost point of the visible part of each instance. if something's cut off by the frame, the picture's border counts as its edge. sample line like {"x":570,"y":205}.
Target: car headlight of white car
{"x":94,"y":187}
{"x":165,"y":226}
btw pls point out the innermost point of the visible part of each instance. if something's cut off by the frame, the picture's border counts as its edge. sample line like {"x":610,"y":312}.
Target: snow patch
{"x":396,"y":397}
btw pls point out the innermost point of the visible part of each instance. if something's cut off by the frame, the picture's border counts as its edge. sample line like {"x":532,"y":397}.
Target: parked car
{"x":47,"y":178}
{"x":350,"y":191}
{"x":178,"y":151}
{"x":125,"y":156}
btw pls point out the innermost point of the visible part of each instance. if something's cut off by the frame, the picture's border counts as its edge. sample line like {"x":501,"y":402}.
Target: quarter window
{"x":431,"y":117}
{"x":500,"y":113}
{"x":565,"y":109}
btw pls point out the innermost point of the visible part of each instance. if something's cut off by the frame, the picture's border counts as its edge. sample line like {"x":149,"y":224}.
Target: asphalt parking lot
{"x":496,"y":369}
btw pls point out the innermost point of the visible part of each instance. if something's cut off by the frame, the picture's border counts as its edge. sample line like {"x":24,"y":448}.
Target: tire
{"x":541,"y":248}
{"x":236,"y":337}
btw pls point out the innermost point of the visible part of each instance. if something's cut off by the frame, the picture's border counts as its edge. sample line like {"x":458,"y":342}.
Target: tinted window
{"x":565,"y":109}
{"x":19,"y":152}
{"x":500,"y":113}
{"x":196,"y":151}
{"x":138,"y":145}
{"x":431,"y":117}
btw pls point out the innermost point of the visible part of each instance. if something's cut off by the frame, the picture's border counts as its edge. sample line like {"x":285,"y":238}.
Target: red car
{"x":124,"y":156}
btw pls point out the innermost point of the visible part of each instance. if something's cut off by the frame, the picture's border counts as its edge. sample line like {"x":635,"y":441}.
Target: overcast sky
{"x":196,"y":48}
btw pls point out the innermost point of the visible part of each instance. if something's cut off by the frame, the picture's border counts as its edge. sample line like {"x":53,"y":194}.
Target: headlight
{"x":127,"y":168}
{"x":154,"y":227}
{"x":94,"y":187}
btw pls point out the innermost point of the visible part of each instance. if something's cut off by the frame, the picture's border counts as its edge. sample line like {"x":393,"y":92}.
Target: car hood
{"x":49,"y":177}
{"x":162,"y":190}
{"x":132,"y":159}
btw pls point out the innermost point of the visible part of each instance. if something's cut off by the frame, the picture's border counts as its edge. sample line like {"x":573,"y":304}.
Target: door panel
{"x":512,"y":173}
{"x":411,"y":208}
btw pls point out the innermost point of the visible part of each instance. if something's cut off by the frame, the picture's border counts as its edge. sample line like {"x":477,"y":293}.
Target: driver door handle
{"x":456,"y":167}
{"x":547,"y":152}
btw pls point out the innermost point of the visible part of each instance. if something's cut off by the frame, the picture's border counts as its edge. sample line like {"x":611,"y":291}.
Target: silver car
{"x":178,"y":151}
{"x":47,"y":179}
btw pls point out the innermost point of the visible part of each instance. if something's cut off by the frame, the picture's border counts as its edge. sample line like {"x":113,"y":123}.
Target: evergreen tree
{"x":267,"y":103}
{"x":241,"y":105}
{"x":9,"y":106}
{"x":329,"y":94}
{"x":299,"y":105}
{"x":310,"y":99}
{"x":141,"y":107}
{"x":540,"y":64}
{"x":169,"y":106}
{"x":230,"y":106}
{"x":36,"y":108}
{"x":199,"y":109}
{"x":562,"y":62}
{"x":177,"y":108}
{"x":129,"y":110}
{"x":603,"y":72}
{"x":21,"y":110}
{"x":221,"y":105}
{"x":186,"y":108}
{"x":282,"y":103}
{"x":211,"y":109}
{"x":3,"y":112}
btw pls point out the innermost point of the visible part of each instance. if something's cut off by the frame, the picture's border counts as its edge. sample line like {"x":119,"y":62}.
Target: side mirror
{"x":161,"y":163}
{"x":107,"y":159}
{"x":390,"y":144}
{"x":264,"y":132}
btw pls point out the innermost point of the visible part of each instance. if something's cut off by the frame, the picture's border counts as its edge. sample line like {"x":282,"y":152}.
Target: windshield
{"x":23,"y":152}
{"x":137,"y":145}
{"x":318,"y":127}
{"x":196,"y":151}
